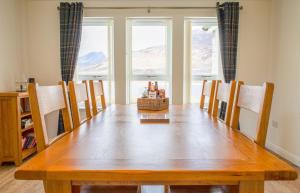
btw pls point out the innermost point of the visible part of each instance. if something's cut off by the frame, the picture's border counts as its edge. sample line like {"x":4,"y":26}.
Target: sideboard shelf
{"x":14,"y":107}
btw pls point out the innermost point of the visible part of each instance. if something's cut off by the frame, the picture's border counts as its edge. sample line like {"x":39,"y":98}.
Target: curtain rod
{"x":149,"y":8}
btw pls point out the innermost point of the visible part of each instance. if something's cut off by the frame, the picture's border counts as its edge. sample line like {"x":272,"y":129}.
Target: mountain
{"x":152,"y":60}
{"x":151,"y":50}
{"x":91,"y":59}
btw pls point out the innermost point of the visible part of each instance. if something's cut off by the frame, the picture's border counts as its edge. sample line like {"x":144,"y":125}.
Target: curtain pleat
{"x":71,"y":16}
{"x":228,"y":23}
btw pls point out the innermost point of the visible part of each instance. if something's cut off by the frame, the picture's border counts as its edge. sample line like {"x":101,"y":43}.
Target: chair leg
{"x":167,"y":189}
{"x":139,"y":190}
{"x":75,"y":189}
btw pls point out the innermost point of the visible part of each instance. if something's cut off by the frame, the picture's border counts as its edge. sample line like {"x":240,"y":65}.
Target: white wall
{"x":254,"y":41}
{"x":42,"y":42}
{"x":10,"y":45}
{"x":284,"y":70}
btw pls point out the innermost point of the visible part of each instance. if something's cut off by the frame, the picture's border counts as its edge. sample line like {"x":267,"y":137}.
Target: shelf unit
{"x":14,"y":106}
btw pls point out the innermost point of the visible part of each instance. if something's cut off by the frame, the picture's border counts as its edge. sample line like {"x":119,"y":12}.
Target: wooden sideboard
{"x":14,"y":107}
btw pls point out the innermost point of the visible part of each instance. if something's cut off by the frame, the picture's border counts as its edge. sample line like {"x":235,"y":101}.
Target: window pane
{"x":205,"y":50}
{"x":196,"y":88}
{"x":93,"y":53}
{"x":107,"y":86}
{"x":138,"y":87}
{"x":149,"y":54}
{"x":205,"y":60}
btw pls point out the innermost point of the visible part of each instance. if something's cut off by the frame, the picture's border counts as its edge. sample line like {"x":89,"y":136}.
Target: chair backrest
{"x":208,"y":90}
{"x":43,"y":101}
{"x":224,"y":92}
{"x":79,"y":93}
{"x":97,"y":94}
{"x":257,"y":99}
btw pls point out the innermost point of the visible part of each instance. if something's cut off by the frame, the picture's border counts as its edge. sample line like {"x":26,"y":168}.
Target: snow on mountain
{"x":91,"y":59}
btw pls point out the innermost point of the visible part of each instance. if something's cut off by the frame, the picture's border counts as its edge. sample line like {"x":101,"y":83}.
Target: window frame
{"x":190,"y":78}
{"x":157,"y":21}
{"x":109,"y":22}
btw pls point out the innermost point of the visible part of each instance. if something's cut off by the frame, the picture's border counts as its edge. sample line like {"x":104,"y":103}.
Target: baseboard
{"x":284,"y":153}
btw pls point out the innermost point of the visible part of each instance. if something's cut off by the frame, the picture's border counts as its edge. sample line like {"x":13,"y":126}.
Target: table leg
{"x":55,"y":186}
{"x":251,"y":187}
{"x":167,"y":189}
{"x":45,"y":188}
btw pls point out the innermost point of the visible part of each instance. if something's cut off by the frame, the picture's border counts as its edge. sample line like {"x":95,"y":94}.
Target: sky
{"x":94,"y":39}
{"x":147,"y":36}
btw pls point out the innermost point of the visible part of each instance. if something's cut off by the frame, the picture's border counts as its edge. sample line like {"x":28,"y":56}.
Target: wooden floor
{"x":9,"y":185}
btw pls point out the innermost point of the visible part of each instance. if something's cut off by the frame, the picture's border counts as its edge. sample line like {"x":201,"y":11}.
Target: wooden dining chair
{"x":97,"y":95}
{"x":79,"y":93}
{"x":224,"y":92}
{"x":257,"y":99}
{"x":43,"y":101}
{"x":208,"y":90}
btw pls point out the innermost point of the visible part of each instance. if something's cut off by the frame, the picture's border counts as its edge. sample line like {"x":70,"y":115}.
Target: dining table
{"x":192,"y":148}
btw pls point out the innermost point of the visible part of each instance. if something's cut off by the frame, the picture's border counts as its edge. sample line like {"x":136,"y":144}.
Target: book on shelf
{"x":21,"y":109}
{"x":27,"y":105}
{"x":28,"y":141}
{"x":26,"y":123}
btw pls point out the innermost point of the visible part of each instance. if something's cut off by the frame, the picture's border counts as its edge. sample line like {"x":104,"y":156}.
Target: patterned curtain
{"x":228,"y":21}
{"x":71,"y":15}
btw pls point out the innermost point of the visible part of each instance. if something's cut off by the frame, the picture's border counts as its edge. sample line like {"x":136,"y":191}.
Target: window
{"x":95,"y":61}
{"x":203,"y":50}
{"x":148,"y":55}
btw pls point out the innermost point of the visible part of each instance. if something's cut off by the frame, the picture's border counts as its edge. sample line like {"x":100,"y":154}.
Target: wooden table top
{"x":115,"y":147}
